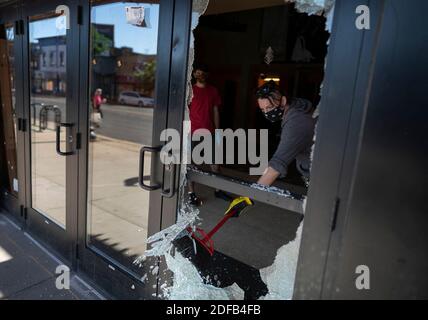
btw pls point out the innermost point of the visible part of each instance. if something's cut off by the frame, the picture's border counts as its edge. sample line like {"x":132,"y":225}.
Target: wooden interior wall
{"x":7,"y":121}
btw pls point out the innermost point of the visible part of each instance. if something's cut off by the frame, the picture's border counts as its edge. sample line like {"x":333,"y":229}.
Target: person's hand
{"x":104,"y":100}
{"x":268,"y":177}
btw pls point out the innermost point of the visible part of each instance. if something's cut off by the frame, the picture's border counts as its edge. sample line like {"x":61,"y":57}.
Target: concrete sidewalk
{"x":27,"y":270}
{"x":118,"y":208}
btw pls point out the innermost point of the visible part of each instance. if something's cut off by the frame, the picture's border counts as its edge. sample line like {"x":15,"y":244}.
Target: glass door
{"x":51,"y":105}
{"x":128,"y":60}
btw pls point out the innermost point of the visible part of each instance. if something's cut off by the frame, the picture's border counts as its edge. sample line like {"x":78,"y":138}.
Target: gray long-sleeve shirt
{"x":297,"y":134}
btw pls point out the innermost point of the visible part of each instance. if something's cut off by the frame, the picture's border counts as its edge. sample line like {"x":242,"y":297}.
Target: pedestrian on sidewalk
{"x":97,"y":101}
{"x":97,"y":113}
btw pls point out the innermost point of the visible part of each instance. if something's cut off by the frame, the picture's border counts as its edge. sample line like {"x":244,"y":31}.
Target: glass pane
{"x":8,"y":113}
{"x":48,"y":107}
{"x":122,"y":102}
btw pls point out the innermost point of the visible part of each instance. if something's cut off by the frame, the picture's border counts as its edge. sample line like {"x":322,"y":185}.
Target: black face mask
{"x":275,"y":115}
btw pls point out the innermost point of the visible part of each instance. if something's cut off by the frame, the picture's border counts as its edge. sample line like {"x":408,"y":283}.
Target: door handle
{"x":169,"y":193}
{"x":58,"y":139}
{"x":141,"y":173}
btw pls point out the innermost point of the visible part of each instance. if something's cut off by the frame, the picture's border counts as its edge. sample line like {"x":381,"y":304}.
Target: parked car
{"x":135,"y":99}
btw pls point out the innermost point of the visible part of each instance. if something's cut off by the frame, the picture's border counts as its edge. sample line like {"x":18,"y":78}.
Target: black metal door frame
{"x":382,"y":220}
{"x":109,"y":275}
{"x":363,"y":82}
{"x":342,"y":106}
{"x":54,"y":236}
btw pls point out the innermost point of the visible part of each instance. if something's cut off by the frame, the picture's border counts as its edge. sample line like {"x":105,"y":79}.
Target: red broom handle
{"x":219,"y":225}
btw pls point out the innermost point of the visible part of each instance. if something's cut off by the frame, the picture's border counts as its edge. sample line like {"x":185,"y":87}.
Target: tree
{"x":146,"y":76}
{"x":100,"y":42}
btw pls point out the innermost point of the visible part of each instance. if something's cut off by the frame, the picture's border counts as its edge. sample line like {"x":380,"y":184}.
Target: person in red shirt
{"x":204,"y":115}
{"x":204,"y":108}
{"x":97,"y":101}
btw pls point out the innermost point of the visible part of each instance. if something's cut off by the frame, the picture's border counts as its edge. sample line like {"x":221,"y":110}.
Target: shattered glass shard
{"x":313,"y":6}
{"x":189,"y":285}
{"x":280,"y":276}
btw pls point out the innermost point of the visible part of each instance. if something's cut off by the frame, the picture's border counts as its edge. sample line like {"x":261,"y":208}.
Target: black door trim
{"x":55,"y":237}
{"x":343,"y":94}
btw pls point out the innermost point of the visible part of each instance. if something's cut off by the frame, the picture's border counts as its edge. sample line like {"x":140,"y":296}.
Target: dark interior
{"x":234,"y":47}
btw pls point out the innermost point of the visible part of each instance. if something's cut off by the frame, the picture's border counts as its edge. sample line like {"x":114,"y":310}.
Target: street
{"x":121,"y":122}
{"x":127,"y":123}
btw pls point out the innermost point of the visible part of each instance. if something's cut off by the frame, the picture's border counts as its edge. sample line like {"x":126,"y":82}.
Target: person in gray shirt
{"x":297,"y":132}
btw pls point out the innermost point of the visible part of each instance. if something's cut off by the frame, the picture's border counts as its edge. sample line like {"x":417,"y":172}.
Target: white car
{"x":135,"y":99}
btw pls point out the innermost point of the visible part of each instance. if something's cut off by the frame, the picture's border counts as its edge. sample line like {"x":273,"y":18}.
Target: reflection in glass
{"x":48,"y":107}
{"x":123,"y":68}
{"x":8,"y":111}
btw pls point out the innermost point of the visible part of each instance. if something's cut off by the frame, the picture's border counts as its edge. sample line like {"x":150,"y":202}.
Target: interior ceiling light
{"x":276,"y":79}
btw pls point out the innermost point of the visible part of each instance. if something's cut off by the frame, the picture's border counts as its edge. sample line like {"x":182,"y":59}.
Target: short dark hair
{"x":201,"y":66}
{"x":269,"y":90}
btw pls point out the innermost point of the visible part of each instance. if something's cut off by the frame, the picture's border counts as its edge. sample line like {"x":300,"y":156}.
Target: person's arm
{"x":268,"y":177}
{"x":294,"y":139}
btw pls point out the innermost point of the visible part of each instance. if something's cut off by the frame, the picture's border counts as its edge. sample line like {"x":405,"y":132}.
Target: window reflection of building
{"x":119,"y":69}
{"x":61,"y":59}
{"x":130,"y":71}
{"x":102,"y":37}
{"x":48,"y":56}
